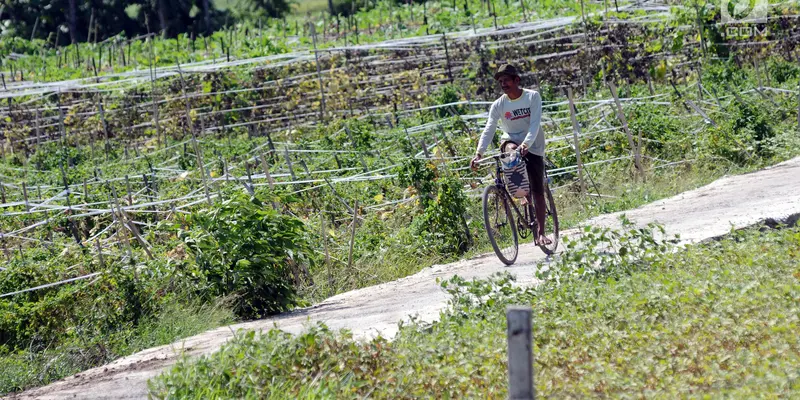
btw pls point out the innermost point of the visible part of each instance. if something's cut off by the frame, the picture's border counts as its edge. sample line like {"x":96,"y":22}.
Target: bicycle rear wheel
{"x":550,"y":222}
{"x":499,"y":223}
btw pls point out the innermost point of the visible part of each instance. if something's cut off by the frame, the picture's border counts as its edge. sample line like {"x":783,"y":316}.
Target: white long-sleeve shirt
{"x":519,"y":119}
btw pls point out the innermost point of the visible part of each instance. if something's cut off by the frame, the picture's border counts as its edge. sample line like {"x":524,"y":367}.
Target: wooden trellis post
{"x":319,"y":74}
{"x":353,"y":144}
{"x":576,"y":132}
{"x":99,"y":253}
{"x":105,"y":125}
{"x":128,"y":224}
{"x":289,"y":162}
{"x":447,"y":57}
{"x":352,"y":236}
{"x":265,"y":166}
{"x":621,"y":116}
{"x":128,"y":190}
{"x":425,"y":149}
{"x":249,"y":184}
{"x":25,"y":196}
{"x":197,"y":153}
{"x":331,"y":290}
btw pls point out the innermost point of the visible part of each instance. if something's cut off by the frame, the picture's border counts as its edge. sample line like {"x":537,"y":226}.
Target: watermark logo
{"x":744,"y":10}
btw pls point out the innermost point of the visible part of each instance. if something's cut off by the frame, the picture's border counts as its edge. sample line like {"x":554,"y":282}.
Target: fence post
{"x":190,"y":125}
{"x":331,"y":289}
{"x":353,"y":238}
{"x":637,"y":156}
{"x":265,"y":167}
{"x":289,"y":162}
{"x":319,"y":74}
{"x":105,"y":126}
{"x":520,"y":355}
{"x":25,"y":196}
{"x":353,"y":144}
{"x":576,"y":131}
{"x":447,"y":57}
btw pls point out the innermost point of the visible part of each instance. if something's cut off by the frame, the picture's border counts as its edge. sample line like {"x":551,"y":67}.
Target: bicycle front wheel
{"x":499,"y":223}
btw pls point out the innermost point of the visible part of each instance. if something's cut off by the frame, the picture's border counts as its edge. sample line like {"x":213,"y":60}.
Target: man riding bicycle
{"x":519,"y":113}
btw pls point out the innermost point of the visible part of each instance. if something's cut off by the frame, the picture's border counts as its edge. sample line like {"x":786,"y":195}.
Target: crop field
{"x":147,"y":181}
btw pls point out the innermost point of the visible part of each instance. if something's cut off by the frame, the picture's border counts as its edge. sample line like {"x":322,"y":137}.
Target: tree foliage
{"x":72,"y":21}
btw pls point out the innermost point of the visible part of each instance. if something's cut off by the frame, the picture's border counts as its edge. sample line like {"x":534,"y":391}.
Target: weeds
{"x":713,"y":320}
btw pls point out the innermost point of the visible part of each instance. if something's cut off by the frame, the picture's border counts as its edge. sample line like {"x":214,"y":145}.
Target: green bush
{"x":445,"y":95}
{"x":664,"y":136}
{"x":442,"y":225}
{"x":725,"y":73}
{"x":783,"y":71}
{"x":246,"y":249}
{"x":443,"y":204}
{"x":753,"y":124}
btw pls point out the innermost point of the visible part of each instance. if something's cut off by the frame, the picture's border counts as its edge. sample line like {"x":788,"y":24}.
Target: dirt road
{"x":707,"y":212}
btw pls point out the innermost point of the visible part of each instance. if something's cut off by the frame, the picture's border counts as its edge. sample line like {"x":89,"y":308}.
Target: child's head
{"x":508,"y":147}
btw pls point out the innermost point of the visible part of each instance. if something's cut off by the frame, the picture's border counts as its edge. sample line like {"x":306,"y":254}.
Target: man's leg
{"x":535,"y":167}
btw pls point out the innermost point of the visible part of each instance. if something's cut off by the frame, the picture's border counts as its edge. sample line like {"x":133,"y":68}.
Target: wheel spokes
{"x":501,"y":228}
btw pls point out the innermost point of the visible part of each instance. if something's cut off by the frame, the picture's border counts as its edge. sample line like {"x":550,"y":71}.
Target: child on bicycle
{"x":519,"y":113}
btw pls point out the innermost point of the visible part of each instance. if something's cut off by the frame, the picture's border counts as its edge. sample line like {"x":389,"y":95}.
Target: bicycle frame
{"x":523,"y":219}
{"x":525,"y":223}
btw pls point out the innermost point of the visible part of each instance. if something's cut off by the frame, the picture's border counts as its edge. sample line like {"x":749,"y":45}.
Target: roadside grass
{"x":180,"y":319}
{"x":712,"y":320}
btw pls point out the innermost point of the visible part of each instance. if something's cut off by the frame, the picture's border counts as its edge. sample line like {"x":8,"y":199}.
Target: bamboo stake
{"x":105,"y":125}
{"x":128,"y":190}
{"x":331,"y":289}
{"x":353,"y":238}
{"x":25,"y":196}
{"x":125,"y":220}
{"x":447,"y":57}
{"x":153,"y":94}
{"x":289,"y":162}
{"x":637,"y":156}
{"x":99,"y":253}
{"x":117,"y":220}
{"x":197,"y":154}
{"x":333,"y":190}
{"x":576,"y":131}
{"x":5,"y":246}
{"x":319,"y":74}
{"x":265,"y":166}
{"x":353,"y":144}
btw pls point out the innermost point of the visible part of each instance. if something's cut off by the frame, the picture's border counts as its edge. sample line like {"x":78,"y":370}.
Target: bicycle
{"x":499,"y":220}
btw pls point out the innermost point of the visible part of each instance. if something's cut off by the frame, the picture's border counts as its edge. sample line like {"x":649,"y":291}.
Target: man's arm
{"x":488,"y":132}
{"x":536,"y":119}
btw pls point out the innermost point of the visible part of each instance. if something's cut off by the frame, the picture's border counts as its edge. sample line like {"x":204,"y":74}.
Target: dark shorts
{"x":535,"y":166}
